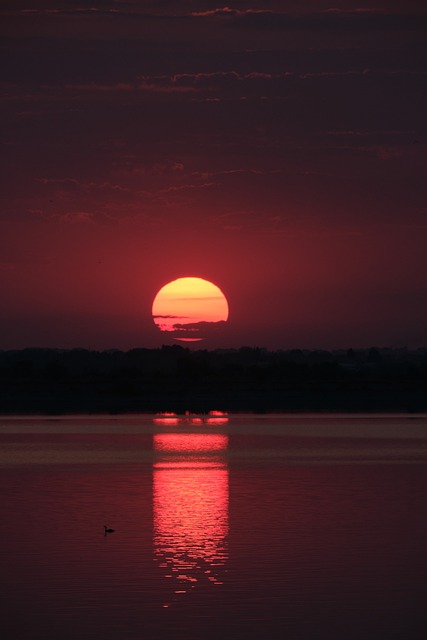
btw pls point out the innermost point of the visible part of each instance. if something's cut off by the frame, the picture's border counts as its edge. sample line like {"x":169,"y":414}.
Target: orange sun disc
{"x":190,"y":309}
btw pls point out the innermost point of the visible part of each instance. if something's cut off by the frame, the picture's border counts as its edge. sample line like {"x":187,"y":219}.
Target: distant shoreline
{"x":175,"y":379}
{"x":235,"y":414}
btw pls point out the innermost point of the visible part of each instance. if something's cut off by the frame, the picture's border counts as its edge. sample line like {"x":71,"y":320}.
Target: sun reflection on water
{"x":190,"y":503}
{"x":172,"y":419}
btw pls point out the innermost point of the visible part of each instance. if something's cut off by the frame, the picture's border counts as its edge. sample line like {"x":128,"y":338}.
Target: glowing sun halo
{"x":189,"y":309}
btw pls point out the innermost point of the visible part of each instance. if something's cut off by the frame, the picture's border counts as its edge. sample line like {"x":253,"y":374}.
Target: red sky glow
{"x":276,"y":149}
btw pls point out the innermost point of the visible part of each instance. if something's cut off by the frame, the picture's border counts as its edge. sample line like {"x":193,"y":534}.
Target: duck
{"x":108,"y":530}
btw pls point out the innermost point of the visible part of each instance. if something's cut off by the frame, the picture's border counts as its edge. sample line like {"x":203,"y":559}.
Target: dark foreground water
{"x":240,"y":527}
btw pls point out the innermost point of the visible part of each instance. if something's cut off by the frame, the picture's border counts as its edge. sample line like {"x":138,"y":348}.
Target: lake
{"x":276,"y":526}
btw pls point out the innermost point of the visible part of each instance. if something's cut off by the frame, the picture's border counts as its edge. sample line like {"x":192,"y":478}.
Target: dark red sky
{"x":276,"y":148}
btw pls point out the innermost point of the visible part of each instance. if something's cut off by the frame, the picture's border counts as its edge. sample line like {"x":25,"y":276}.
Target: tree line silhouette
{"x":175,"y":378}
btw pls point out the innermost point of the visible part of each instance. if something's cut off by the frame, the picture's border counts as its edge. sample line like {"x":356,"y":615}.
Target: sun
{"x":190,"y":309}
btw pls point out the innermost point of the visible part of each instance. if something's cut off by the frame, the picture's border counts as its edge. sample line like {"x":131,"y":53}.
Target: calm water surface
{"x":225,"y":527}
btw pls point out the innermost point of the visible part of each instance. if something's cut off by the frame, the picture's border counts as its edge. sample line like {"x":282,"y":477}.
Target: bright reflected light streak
{"x":190,"y":503}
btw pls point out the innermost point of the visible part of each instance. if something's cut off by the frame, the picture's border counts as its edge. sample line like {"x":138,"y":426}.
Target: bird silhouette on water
{"x":106,"y":530}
